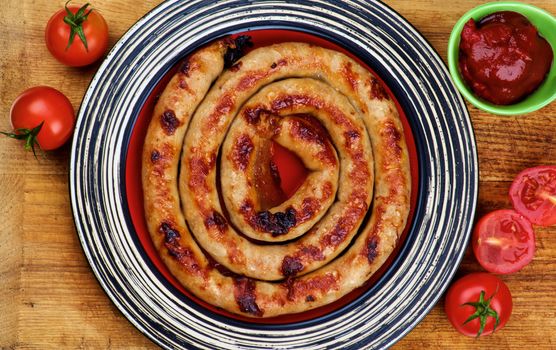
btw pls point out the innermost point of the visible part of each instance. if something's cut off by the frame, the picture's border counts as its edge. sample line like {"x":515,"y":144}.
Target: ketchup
{"x":502,"y":57}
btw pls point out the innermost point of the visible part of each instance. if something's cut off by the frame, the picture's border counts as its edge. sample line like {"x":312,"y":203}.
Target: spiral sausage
{"x":247,"y":147}
{"x":317,"y":250}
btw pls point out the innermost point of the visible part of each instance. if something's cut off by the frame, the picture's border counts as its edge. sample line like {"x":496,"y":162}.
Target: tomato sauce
{"x":502,"y":57}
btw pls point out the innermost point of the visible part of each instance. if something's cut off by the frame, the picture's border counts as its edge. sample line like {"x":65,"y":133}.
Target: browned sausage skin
{"x":274,"y":83}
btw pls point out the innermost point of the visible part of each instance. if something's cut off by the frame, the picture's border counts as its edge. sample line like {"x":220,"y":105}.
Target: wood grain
{"x":49,"y":296}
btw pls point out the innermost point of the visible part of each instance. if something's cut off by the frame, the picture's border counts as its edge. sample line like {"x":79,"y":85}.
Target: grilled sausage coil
{"x":206,"y":151}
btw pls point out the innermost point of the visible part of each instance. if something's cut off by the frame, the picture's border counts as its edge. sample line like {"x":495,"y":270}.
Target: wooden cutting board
{"x":49,"y":298}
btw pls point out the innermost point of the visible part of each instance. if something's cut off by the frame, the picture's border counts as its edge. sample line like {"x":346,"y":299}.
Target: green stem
{"x":483,"y":311}
{"x":75,"y":21}
{"x":29,"y":135}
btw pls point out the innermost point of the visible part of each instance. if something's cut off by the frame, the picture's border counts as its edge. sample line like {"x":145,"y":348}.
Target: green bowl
{"x":546,"y":25}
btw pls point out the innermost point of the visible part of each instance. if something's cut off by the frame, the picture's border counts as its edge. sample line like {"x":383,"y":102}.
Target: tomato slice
{"x":291,"y":169}
{"x":504,"y":241}
{"x":533,"y":194}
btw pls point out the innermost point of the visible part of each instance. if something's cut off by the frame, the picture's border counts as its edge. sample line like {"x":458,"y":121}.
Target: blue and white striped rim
{"x":448,"y":169}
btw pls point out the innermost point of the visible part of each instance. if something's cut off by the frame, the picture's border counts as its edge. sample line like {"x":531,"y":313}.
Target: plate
{"x":446,"y":193}
{"x":134,"y":192}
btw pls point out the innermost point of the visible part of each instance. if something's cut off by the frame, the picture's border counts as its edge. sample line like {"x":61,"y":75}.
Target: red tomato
{"x":533,"y":194}
{"x":88,"y":24}
{"x":290,"y":168}
{"x":43,"y":104}
{"x":478,"y":304}
{"x":503,"y":241}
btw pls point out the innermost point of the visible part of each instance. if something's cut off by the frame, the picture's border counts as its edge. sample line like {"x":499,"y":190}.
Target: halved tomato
{"x":533,"y":194}
{"x":504,"y":241}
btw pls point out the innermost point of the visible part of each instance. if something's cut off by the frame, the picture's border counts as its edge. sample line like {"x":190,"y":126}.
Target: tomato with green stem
{"x":42,"y":115}
{"x":478,"y":304}
{"x":77,"y":36}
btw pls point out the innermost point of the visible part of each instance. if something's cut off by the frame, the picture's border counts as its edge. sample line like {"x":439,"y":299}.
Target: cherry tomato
{"x":42,"y":104}
{"x":533,"y":195}
{"x":503,"y":241}
{"x":478,"y":304}
{"x":77,"y":36}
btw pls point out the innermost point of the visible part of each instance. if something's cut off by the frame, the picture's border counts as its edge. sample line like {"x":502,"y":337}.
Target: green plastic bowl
{"x":546,"y":25}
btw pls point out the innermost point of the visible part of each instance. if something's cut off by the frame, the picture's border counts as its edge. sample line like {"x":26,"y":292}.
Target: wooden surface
{"x":49,"y":298}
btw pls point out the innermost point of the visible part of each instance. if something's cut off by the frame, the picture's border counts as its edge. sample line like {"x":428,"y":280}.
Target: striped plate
{"x":446,"y":191}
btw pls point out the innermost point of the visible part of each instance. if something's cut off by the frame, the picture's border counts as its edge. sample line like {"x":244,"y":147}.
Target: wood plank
{"x":11,"y":255}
